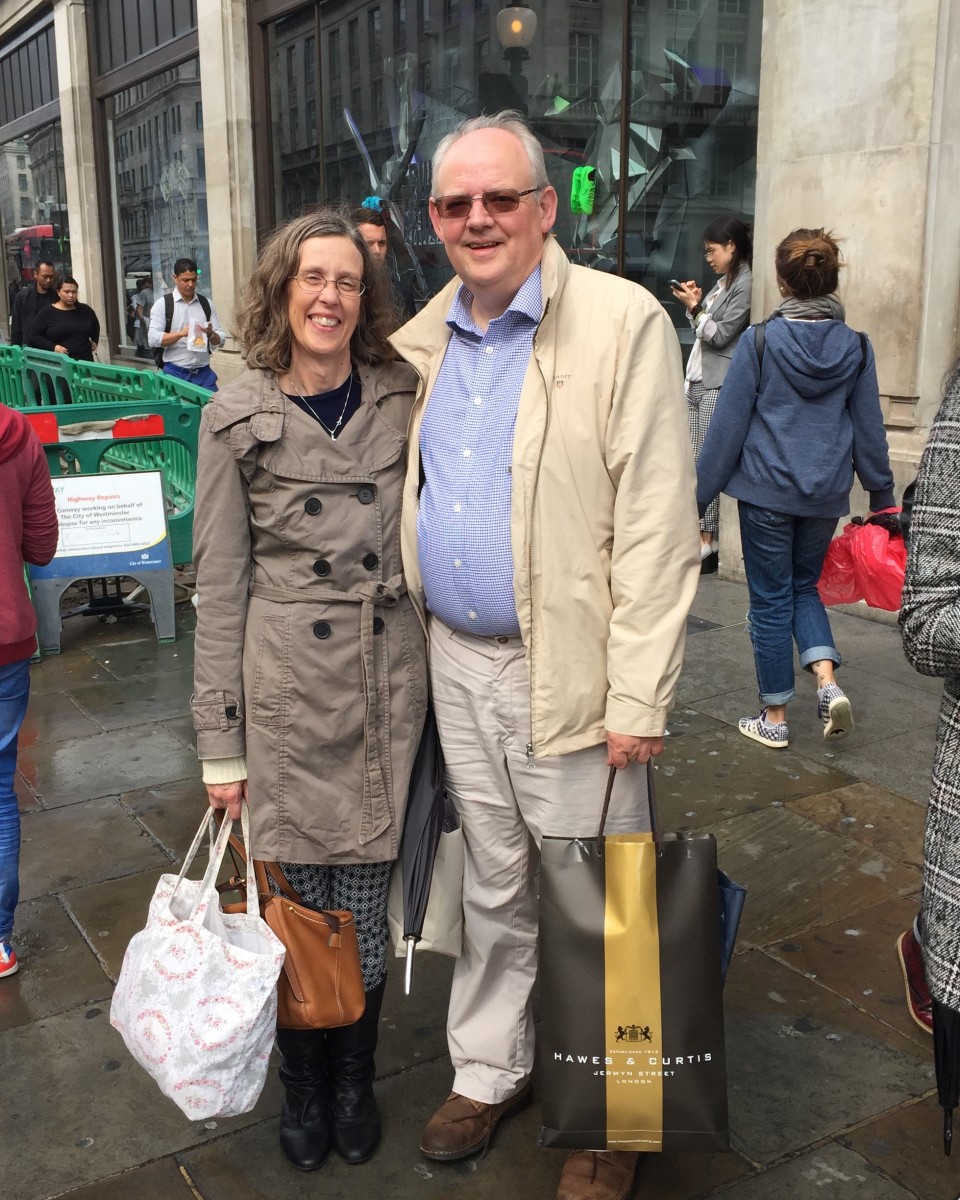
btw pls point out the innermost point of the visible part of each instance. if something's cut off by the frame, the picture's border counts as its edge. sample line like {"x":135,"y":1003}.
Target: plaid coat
{"x":930,"y":624}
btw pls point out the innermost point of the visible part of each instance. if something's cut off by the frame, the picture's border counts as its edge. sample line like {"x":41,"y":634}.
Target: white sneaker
{"x":833,"y":709}
{"x":776,"y":736}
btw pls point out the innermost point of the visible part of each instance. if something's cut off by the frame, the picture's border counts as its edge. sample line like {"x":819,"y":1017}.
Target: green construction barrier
{"x":39,"y":378}
{"x":99,"y":383}
{"x":171,"y":388}
{"x":11,"y":376}
{"x":47,"y":378}
{"x":84,"y":446}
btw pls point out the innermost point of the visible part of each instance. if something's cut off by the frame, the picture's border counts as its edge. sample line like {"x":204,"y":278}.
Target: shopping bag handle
{"x":651,"y":802}
{"x":217,"y":852}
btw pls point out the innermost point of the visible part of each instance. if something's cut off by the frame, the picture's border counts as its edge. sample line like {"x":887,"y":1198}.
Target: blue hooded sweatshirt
{"x":793,"y":445}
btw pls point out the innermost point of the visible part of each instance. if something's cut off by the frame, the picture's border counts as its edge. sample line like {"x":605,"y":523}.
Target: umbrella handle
{"x":947,"y":1131}
{"x":408,"y":972}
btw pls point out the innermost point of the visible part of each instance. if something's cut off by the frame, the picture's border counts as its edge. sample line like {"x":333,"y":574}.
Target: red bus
{"x":27,"y":247}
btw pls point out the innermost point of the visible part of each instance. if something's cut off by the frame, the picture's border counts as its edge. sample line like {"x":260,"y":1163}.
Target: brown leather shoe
{"x":598,"y":1175}
{"x":461,"y":1126}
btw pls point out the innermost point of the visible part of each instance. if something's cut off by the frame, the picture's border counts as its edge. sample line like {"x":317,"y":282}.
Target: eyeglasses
{"x":313,"y":281}
{"x":503,"y":200}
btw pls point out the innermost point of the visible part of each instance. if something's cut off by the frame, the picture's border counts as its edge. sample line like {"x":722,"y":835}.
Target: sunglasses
{"x":503,"y":200}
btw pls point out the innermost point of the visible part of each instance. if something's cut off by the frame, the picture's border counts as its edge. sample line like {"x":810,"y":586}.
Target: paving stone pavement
{"x":831,"y":1084}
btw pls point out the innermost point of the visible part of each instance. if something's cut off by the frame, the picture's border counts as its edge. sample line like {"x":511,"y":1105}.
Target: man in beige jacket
{"x":549,"y":542}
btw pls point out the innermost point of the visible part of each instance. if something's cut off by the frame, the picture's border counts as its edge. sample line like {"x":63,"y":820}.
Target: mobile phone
{"x":675,"y":283}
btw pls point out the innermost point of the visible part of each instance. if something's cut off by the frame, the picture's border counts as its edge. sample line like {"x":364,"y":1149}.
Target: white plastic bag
{"x":196,"y":1001}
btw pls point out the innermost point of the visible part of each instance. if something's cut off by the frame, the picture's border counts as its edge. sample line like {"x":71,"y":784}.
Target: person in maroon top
{"x":28,"y":533}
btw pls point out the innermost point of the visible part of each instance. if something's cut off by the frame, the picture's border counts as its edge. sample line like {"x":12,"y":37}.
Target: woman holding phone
{"x":717,"y":319}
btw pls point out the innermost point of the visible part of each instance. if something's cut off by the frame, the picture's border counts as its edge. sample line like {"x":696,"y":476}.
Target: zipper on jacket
{"x":536,"y":476}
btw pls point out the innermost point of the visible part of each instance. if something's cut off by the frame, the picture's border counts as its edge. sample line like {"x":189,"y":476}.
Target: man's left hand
{"x":623,"y":749}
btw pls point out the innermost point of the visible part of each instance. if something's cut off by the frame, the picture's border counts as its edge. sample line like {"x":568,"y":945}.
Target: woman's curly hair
{"x":263,"y":327}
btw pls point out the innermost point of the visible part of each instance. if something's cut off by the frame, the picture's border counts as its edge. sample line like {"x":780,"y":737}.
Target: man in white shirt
{"x":185,"y":326}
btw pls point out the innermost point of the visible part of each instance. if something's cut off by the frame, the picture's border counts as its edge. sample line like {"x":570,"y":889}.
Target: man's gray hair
{"x":510,"y":121}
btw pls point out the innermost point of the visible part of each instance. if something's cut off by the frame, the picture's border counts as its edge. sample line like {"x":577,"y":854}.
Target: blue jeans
{"x":200,"y":376}
{"x":14,"y":691}
{"x":783,"y":557}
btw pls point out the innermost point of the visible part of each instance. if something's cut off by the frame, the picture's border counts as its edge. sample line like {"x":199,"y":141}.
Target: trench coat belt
{"x":375,"y":815}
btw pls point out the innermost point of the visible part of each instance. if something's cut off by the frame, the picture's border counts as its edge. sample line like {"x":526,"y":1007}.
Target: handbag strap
{"x":651,"y":802}
{"x":262,"y":869}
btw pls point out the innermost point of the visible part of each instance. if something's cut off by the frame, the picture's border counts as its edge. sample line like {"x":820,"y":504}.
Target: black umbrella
{"x":421,"y":834}
{"x":946,"y":1057}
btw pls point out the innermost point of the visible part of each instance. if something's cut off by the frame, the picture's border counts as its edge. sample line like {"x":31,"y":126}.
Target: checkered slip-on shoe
{"x":833,"y":709}
{"x":777,"y":736}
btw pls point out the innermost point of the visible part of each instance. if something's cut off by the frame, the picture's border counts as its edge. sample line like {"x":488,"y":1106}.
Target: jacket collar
{"x":427,"y":334}
{"x":257,"y":391}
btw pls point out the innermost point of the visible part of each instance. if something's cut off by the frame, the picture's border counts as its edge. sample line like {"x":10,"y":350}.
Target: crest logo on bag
{"x":633,"y":1033}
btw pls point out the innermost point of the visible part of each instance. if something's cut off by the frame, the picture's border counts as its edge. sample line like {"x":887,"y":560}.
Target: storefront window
{"x":155,"y":143}
{"x":33,"y":205}
{"x":396,"y":77}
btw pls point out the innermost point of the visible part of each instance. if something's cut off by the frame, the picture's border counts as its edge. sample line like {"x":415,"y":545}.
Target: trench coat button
{"x":365,"y":495}
{"x":312,"y":506}
{"x":370,"y":561}
{"x":321,"y":567}
{"x":321,"y":629}
{"x":378,"y":624}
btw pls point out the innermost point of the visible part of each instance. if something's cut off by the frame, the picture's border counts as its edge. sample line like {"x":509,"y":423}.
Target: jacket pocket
{"x":268,"y":699}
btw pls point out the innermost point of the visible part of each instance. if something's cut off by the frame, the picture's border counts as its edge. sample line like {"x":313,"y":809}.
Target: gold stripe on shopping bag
{"x":634,"y":1030}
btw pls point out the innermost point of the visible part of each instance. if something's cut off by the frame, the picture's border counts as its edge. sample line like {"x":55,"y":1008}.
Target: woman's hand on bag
{"x":228,"y":796}
{"x":623,"y":749}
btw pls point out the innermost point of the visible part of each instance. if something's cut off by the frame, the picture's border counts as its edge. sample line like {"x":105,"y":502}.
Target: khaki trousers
{"x":507,"y":803}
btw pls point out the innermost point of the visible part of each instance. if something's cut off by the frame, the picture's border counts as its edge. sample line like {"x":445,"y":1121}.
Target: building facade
{"x":133,"y":132}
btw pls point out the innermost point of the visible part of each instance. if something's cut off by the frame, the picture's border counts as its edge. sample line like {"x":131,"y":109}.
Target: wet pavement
{"x":831,"y":1084}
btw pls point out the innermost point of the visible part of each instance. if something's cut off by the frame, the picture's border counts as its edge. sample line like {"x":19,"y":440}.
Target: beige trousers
{"x":507,"y":803}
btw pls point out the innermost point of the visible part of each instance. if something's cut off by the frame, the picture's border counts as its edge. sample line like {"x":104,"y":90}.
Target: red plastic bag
{"x":837,"y":584}
{"x":879,"y":564}
{"x":866,"y":562}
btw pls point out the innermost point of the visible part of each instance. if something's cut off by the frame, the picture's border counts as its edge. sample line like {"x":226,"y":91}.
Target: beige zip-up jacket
{"x":604,"y":520}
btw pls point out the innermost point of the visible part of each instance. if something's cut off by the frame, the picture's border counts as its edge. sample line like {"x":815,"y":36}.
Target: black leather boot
{"x":304,"y":1121}
{"x":353,"y":1109}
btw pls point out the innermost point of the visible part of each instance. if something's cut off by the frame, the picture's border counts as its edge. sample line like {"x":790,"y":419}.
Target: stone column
{"x":228,"y":148}
{"x":77,"y":116}
{"x":853,"y":136}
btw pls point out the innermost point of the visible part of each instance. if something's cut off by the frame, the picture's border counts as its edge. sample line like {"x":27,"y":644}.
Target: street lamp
{"x":516,"y":29}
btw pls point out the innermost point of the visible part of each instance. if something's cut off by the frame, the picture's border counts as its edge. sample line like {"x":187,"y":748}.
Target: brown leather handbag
{"x":321,"y":984}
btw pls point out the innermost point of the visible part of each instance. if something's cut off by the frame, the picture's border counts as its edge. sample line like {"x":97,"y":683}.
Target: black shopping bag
{"x":631,"y":1033}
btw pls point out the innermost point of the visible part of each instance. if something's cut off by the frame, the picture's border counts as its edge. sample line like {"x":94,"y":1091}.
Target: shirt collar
{"x":527,"y":303}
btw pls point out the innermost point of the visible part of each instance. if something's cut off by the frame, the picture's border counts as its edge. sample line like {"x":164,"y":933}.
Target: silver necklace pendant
{"x":343,"y":412}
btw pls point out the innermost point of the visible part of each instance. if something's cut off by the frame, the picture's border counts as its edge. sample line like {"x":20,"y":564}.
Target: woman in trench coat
{"x":310,"y":680}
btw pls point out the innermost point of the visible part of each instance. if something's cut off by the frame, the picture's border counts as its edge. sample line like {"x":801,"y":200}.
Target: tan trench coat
{"x":310,"y":659}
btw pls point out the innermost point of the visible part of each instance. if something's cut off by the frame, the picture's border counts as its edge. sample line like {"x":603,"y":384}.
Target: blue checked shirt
{"x":466,"y":446}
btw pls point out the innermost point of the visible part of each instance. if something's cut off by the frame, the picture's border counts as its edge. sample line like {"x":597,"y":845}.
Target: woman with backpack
{"x":785,"y":441}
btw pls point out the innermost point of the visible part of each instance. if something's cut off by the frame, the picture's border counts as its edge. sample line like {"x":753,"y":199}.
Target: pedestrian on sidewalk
{"x":929,"y":952}
{"x":550,"y":544}
{"x":28,"y":533}
{"x":785,"y":441}
{"x":67,"y":326}
{"x":717,"y":319}
{"x":184,"y":329}
{"x":310,"y":672}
